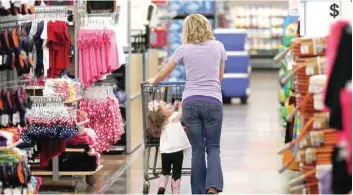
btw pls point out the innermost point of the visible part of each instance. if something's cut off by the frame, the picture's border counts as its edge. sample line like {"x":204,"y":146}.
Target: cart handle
{"x":168,"y":83}
{"x":172,"y":83}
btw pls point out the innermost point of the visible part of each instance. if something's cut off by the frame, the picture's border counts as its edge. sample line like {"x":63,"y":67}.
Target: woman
{"x":203,"y":58}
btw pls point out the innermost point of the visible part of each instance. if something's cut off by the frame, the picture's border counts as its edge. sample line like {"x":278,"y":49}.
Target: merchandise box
{"x":235,"y":85}
{"x":232,"y":39}
{"x":174,"y":37}
{"x":184,"y":7}
{"x":208,"y":7}
{"x":212,"y":22}
{"x":176,"y":6}
{"x":174,"y":46}
{"x":192,"y":6}
{"x":176,"y":26}
{"x":237,"y":62}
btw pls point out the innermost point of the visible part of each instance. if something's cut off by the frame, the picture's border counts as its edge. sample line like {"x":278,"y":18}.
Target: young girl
{"x":165,"y":123}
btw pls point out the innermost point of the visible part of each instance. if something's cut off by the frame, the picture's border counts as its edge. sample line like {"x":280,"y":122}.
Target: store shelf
{"x":116,"y":149}
{"x":34,"y":87}
{"x":3,"y":148}
{"x":183,"y":16}
{"x":263,"y":53}
{"x":67,"y":173}
{"x":74,"y":150}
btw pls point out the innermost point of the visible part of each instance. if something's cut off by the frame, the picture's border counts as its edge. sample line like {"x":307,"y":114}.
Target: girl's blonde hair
{"x":157,"y":121}
{"x":197,"y":29}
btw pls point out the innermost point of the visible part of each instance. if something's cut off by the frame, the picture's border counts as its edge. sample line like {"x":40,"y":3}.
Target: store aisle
{"x":250,"y":137}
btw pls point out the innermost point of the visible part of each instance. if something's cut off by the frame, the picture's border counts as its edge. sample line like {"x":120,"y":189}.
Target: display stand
{"x":56,"y":173}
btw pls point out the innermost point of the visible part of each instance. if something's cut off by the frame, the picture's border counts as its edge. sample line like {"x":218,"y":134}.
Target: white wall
{"x":139,"y":10}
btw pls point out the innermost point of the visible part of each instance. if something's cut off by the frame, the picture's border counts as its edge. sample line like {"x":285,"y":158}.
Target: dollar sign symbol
{"x":334,"y":10}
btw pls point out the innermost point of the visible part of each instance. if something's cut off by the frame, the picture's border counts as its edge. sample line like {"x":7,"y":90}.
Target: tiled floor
{"x":250,"y":136}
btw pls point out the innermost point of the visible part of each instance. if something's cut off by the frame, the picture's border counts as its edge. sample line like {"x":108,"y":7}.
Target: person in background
{"x":165,"y":123}
{"x":203,"y":58}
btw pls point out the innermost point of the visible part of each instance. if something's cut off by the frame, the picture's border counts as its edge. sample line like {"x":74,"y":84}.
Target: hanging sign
{"x":316,"y":17}
{"x":294,"y":6}
{"x":159,"y":2}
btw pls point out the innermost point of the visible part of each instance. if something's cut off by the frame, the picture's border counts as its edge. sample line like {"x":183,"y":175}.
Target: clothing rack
{"x":98,"y":19}
{"x":55,"y":173}
{"x":17,"y":18}
{"x":10,"y":22}
{"x":13,"y":84}
{"x":51,"y":9}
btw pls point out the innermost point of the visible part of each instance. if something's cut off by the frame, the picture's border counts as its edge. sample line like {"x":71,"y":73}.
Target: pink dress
{"x":98,"y":54}
{"x":105,"y":120}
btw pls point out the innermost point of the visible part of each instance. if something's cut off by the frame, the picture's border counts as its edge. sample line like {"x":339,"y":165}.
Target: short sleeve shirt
{"x":202,"y":65}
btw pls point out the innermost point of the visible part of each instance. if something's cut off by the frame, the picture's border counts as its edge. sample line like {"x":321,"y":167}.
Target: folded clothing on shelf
{"x":70,"y":89}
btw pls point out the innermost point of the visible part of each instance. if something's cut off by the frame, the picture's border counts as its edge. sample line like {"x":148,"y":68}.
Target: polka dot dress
{"x":105,"y":118}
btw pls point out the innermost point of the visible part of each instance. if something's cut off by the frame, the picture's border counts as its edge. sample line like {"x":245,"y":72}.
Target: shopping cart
{"x":168,"y":92}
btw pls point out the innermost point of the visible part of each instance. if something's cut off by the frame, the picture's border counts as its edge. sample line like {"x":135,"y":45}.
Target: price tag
{"x":303,"y":143}
{"x":309,"y":70}
{"x":4,"y":119}
{"x":317,"y":124}
{"x":310,"y":155}
{"x":304,"y":49}
{"x":16,"y":118}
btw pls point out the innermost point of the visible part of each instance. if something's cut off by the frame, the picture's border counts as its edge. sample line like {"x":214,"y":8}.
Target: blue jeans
{"x":203,"y":121}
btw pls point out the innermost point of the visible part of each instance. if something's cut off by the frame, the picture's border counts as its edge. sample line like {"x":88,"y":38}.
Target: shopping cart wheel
{"x":91,"y":180}
{"x":81,"y":186}
{"x":146,"y":187}
{"x":244,"y":100}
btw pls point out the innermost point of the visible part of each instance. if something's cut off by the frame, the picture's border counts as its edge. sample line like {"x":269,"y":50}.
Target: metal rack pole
{"x":76,"y":29}
{"x":55,"y":168}
{"x":127,"y":82}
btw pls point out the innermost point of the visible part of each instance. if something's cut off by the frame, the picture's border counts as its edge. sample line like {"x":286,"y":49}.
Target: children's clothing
{"x":173,"y":138}
{"x":172,"y":143}
{"x":175,"y":159}
{"x":105,"y":118}
{"x":98,"y":54}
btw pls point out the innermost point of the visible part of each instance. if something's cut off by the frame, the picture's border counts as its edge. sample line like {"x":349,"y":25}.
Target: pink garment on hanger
{"x":103,"y":53}
{"x":92,"y":57}
{"x":86,"y":60}
{"x":97,"y":49}
{"x":106,"y":38}
{"x":106,"y":120}
{"x":98,"y":55}
{"x":81,"y":74}
{"x":346,"y":134}
{"x":114,"y":50}
{"x":332,"y":43}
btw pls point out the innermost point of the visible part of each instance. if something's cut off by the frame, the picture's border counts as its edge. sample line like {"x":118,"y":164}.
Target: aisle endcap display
{"x":237,"y":67}
{"x":314,"y":140}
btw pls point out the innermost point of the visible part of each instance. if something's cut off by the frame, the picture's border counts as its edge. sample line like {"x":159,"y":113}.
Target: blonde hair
{"x":197,"y":29}
{"x":157,"y":121}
